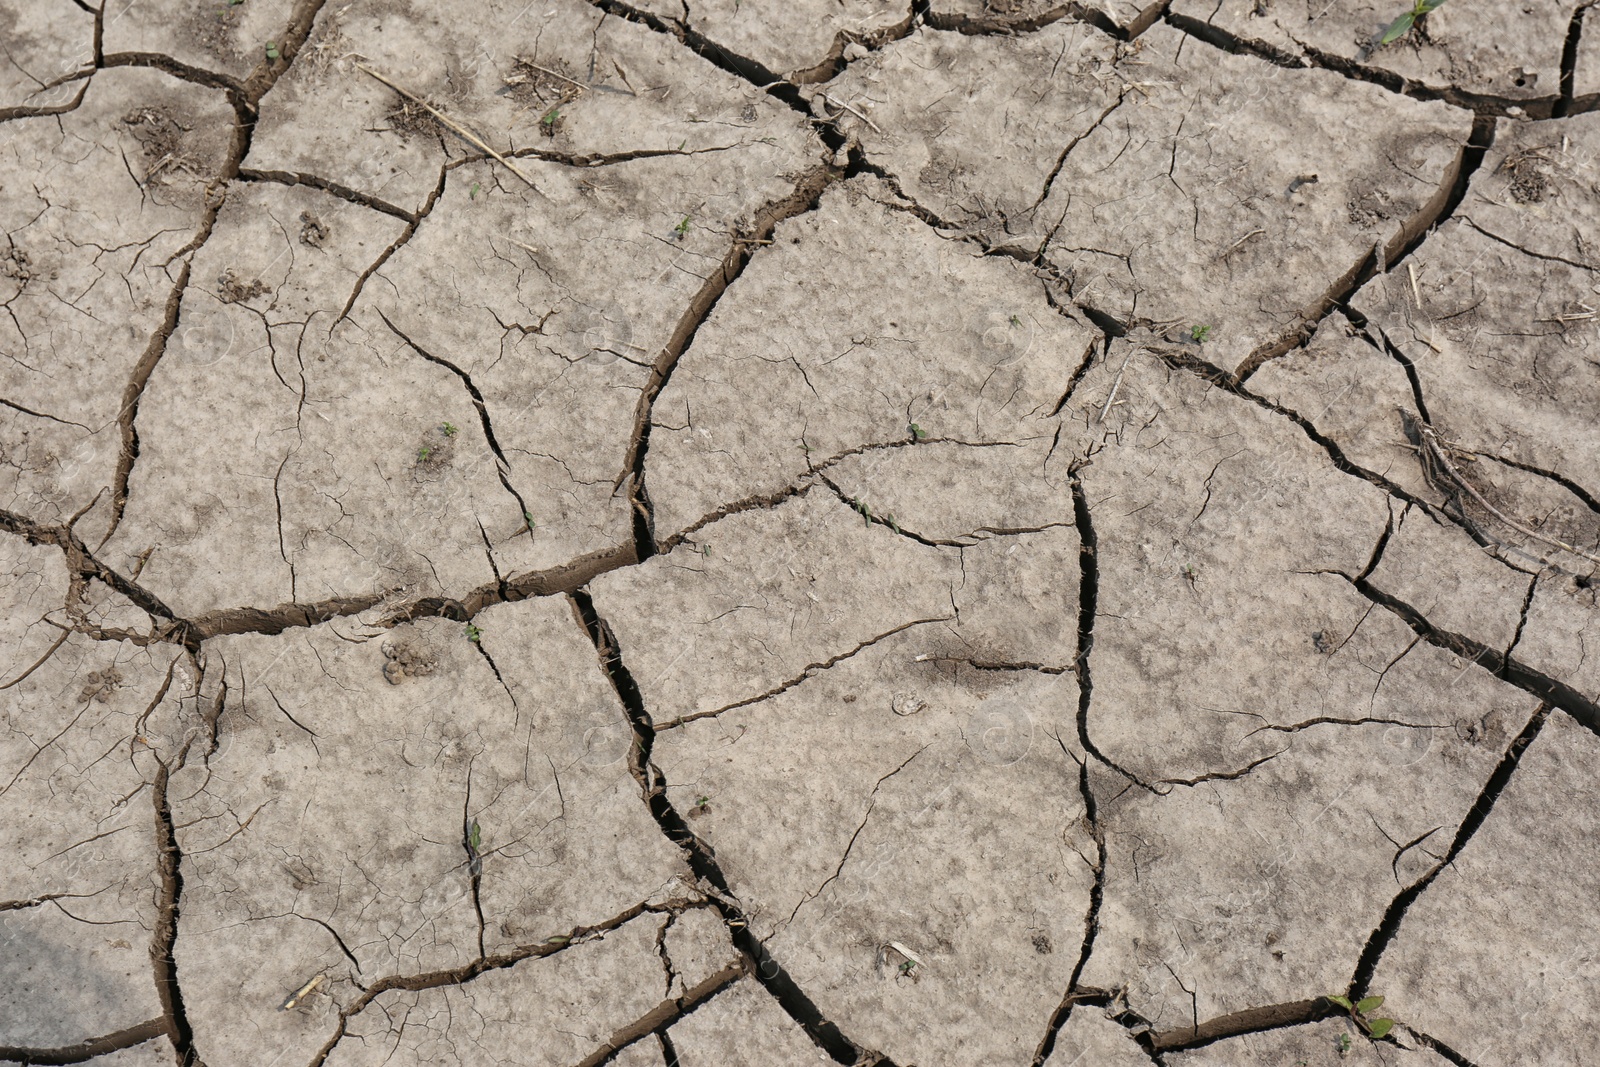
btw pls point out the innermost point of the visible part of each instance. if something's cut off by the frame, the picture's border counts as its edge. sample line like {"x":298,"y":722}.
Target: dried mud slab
{"x":1173,"y":185}
{"x":1493,"y":952}
{"x":950,"y":349}
{"x":331,"y":831}
{"x":899,"y":884}
{"x":988,"y":533}
{"x":560,"y":81}
{"x":76,"y":906}
{"x":116,"y":190}
{"x":1499,"y":51}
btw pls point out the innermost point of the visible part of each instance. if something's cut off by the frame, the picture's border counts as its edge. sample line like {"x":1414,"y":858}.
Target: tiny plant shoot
{"x":1402,"y":25}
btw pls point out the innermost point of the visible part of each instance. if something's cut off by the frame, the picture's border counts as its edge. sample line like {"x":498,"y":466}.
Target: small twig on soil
{"x":853,"y":111}
{"x":454,"y":126}
{"x":1115,"y":386}
{"x":1239,"y":244}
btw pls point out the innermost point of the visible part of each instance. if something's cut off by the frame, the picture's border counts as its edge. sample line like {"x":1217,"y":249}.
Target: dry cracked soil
{"x":678,"y":533}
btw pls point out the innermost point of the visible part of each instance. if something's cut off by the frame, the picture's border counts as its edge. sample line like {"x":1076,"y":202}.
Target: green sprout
{"x":862,"y":507}
{"x":272,"y":50}
{"x":1015,"y":321}
{"x":1199,"y":334}
{"x":423,"y":453}
{"x":449,"y":428}
{"x":682,"y":227}
{"x":474,"y":634}
{"x":1402,"y":25}
{"x":472,"y":194}
{"x":528,"y":518}
{"x":703,"y":803}
{"x":917,"y":432}
{"x":1376,"y":1029}
{"x":1342,"y":1043}
{"x":475,"y":837}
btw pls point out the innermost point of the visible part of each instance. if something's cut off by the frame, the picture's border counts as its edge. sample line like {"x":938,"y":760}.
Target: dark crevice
{"x":1223,"y":380}
{"x":244,"y":99}
{"x":1389,"y":926}
{"x":700,"y":856}
{"x":458,"y":976}
{"x":756,"y":73}
{"x":1091,"y":918}
{"x":1589,"y":499}
{"x":89,"y":1049}
{"x":1382,"y":259}
{"x":993,"y":24}
{"x":163,"y":939}
{"x":175,"y":68}
{"x":83,"y":566}
{"x":1088,"y":599}
{"x":1584,"y":712}
{"x":332,"y":188}
{"x":502,"y":466}
{"x":806,"y":195}
{"x":1428,"y":1041}
{"x":1569,"y":62}
{"x":1483,"y":105}
{"x":1410,"y":368}
{"x":133,"y":392}
{"x":657,"y":1021}
{"x":1239,"y":1023}
{"x":398,"y":243}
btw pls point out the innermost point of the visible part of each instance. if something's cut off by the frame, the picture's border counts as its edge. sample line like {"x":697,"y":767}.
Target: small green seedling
{"x":917,"y":432}
{"x":474,"y":634}
{"x":862,"y":507}
{"x":907,"y":967}
{"x":550,"y":119}
{"x":272,"y":50}
{"x":559,"y":939}
{"x":449,"y":428}
{"x":1015,"y":321}
{"x":682,"y":227}
{"x":1199,"y":334}
{"x":1402,"y":25}
{"x":703,"y":803}
{"x":889,"y":519}
{"x":528,"y":518}
{"x":423,"y":453}
{"x":475,"y":836}
{"x":1376,"y":1029}
{"x":472,"y":194}
{"x":1190,"y":574}
{"x":1342,"y":1043}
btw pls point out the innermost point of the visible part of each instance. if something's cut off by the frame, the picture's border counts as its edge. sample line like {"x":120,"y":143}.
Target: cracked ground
{"x":694,"y":533}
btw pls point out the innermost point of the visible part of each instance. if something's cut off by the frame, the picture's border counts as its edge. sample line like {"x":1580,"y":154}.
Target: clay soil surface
{"x":684,"y":533}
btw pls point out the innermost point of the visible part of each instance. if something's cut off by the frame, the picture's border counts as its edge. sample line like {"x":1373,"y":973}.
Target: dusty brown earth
{"x":794,"y":531}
